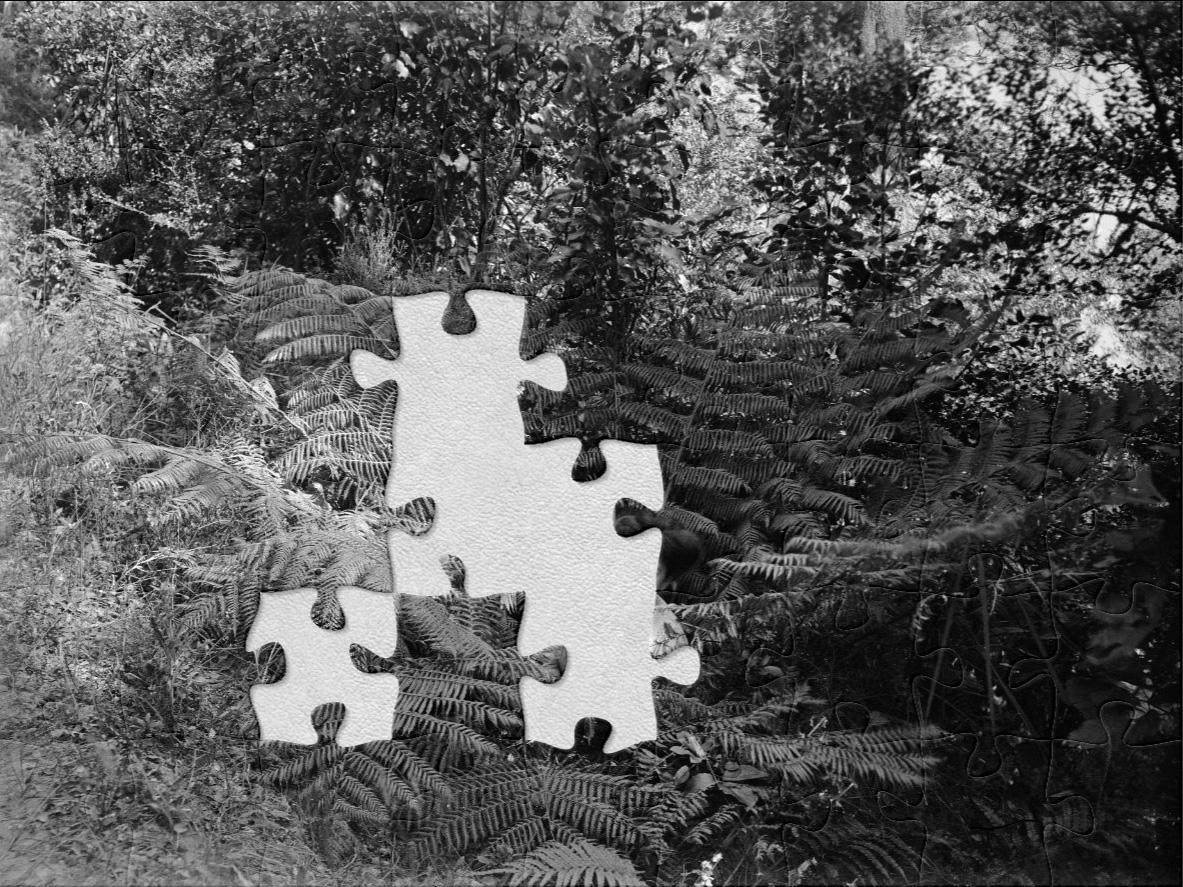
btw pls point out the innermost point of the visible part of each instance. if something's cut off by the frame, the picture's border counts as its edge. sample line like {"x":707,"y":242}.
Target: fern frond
{"x":718,"y":823}
{"x":531,"y":834}
{"x":602,"y":788}
{"x":685,"y":357}
{"x":399,"y":759}
{"x":745,"y":374}
{"x":714,"y":480}
{"x":304,"y":763}
{"x":458,"y":736}
{"x":429,"y":620}
{"x":597,"y":820}
{"x":361,"y":797}
{"x":727,"y":441}
{"x":176,"y":474}
{"x":848,"y":848}
{"x":307,"y":325}
{"x":657,"y":418}
{"x":325,"y":345}
{"x":677,"y":809}
{"x":474,"y":713}
{"x":677,"y":709}
{"x":569,"y":865}
{"x":664,"y":379}
{"x":471,"y":826}
{"x":894,"y":757}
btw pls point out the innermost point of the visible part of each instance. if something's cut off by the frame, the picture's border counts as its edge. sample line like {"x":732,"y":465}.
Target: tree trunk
{"x":885,"y":25}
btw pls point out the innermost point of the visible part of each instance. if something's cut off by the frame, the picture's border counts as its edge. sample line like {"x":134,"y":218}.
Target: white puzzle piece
{"x":319,"y":669}
{"x":595,"y":598}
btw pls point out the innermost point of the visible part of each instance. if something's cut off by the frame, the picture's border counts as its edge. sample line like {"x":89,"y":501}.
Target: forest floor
{"x":82,"y":804}
{"x":92,"y":790}
{"x":81,"y":808}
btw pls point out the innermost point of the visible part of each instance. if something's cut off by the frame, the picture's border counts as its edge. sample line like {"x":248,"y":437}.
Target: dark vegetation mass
{"x":893,"y":286}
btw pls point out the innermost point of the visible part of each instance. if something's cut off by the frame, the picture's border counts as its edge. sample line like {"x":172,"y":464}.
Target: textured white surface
{"x":458,"y":439}
{"x":518,"y":521}
{"x":319,"y":669}
{"x":594,"y":595}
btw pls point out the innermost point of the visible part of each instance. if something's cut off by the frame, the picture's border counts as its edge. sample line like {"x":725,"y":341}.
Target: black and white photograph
{"x":590,"y":443}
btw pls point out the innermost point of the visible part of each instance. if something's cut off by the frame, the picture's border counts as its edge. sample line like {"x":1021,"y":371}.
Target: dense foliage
{"x":894,"y":288}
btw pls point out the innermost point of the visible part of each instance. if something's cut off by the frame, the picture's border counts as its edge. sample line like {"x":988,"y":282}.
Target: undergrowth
{"x":797,"y":449}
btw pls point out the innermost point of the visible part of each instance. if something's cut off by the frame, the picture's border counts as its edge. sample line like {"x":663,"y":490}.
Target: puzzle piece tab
{"x":319,"y":668}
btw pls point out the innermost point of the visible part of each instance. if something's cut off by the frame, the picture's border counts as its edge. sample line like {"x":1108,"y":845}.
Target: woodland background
{"x":894,"y":286}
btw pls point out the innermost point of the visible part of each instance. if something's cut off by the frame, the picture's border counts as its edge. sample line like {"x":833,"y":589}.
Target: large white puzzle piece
{"x":319,"y":669}
{"x":458,"y":439}
{"x":593,"y":594}
{"x":518,"y":522}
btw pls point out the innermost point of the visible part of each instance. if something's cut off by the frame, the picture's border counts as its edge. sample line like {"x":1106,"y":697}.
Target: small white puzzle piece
{"x":517,"y":520}
{"x":319,"y":669}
